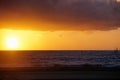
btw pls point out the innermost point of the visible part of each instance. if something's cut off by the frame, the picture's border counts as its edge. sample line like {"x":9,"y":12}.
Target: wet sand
{"x":60,"y":73}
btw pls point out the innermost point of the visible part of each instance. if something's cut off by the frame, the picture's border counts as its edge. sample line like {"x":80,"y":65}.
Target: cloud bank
{"x":64,"y":14}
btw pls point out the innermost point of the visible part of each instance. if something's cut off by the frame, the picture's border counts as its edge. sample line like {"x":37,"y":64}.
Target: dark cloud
{"x":70,"y":14}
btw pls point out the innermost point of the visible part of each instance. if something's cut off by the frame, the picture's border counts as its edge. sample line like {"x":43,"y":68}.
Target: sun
{"x":118,"y":0}
{"x":12,"y":43}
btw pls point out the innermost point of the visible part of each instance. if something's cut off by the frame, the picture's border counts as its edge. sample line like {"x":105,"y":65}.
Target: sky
{"x":60,"y":24}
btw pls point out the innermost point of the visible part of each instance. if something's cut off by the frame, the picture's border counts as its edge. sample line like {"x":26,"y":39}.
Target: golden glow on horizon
{"x":12,"y":43}
{"x":59,"y":40}
{"x":21,"y":39}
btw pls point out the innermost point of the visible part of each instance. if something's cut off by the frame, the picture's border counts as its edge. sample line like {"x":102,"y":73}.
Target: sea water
{"x":50,"y":58}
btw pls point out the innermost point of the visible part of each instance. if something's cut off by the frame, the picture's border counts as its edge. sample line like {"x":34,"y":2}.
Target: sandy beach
{"x":60,"y":73}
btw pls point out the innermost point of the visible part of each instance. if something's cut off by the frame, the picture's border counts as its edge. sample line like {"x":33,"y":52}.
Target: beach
{"x":60,"y":75}
{"x":86,"y":72}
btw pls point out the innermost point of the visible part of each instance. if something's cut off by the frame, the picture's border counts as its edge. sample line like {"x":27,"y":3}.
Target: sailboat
{"x":116,"y":51}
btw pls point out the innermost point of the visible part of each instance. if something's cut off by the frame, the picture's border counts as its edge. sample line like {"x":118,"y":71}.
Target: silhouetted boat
{"x":116,"y":51}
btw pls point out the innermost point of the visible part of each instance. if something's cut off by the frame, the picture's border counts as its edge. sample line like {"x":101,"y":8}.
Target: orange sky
{"x":59,"y":24}
{"x":62,"y":40}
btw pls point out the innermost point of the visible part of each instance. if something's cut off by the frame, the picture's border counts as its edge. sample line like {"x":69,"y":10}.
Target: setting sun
{"x":12,"y":43}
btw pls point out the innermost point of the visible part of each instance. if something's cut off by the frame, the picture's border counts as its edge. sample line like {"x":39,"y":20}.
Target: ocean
{"x":51,"y":58}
